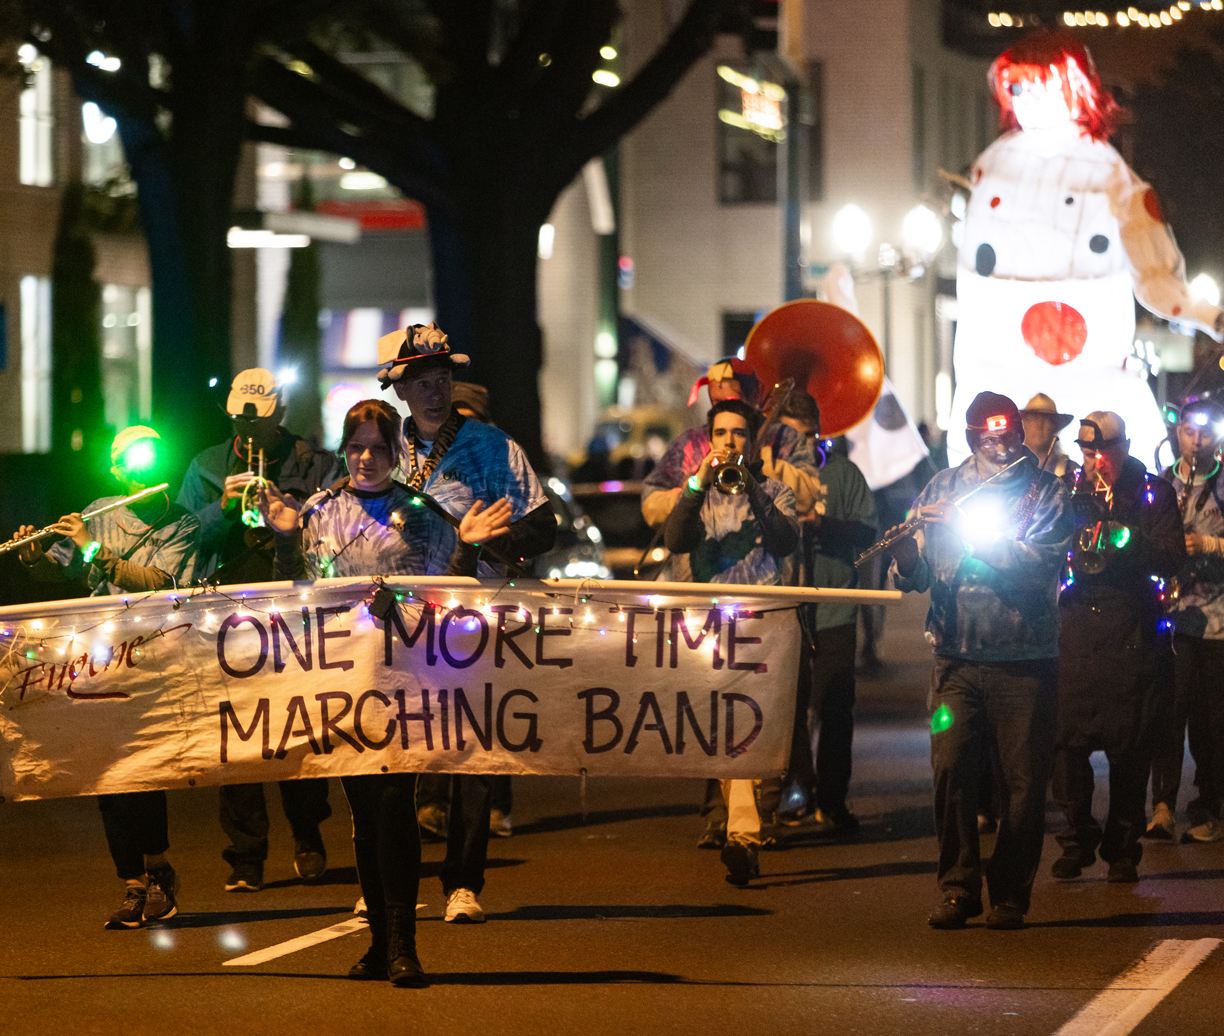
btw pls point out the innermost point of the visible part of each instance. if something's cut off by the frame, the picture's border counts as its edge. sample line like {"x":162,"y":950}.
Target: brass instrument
{"x":730,"y":477}
{"x":910,"y":524}
{"x":250,"y":493}
{"x":50,"y":530}
{"x":1100,"y":536}
{"x":823,"y":349}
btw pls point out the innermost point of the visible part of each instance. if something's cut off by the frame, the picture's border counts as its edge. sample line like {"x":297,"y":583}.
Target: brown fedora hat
{"x":1042,"y":405}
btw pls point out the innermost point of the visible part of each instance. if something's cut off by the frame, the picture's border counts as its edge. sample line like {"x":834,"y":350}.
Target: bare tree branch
{"x":604,"y":127}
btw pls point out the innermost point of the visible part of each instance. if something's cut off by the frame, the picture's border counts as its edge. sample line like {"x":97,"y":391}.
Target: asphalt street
{"x":603,"y":916}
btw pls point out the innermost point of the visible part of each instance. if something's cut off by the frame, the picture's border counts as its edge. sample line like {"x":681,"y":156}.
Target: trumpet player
{"x":232,"y":551}
{"x":743,"y":537}
{"x":1110,"y":693}
{"x":141,"y":546}
{"x":992,"y":568}
{"x":1198,"y":633}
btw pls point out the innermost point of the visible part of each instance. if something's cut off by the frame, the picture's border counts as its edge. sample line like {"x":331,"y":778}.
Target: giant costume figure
{"x":1058,"y":236}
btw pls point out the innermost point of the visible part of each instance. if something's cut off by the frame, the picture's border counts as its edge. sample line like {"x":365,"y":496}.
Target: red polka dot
{"x":1054,"y":331}
{"x":1152,"y":204}
{"x":1177,"y":311}
{"x":994,"y":202}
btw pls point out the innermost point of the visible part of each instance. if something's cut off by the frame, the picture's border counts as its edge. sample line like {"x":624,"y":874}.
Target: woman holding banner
{"x":367,"y":525}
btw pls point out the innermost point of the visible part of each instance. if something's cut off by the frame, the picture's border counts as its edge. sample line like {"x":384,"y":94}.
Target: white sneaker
{"x":360,"y":908}
{"x":462,"y":908}
{"x":1163,"y":826}
{"x":1210,"y":830}
{"x":499,"y":824}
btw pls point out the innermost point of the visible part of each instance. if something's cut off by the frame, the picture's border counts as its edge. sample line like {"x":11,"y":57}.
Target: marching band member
{"x":231,"y":551}
{"x":147,"y":545}
{"x":1109,"y":688}
{"x":368,"y":526}
{"x":1042,"y":423}
{"x":459,"y":462}
{"x":745,"y":538}
{"x":729,"y":378}
{"x":1198,"y":638}
{"x":992,"y":568}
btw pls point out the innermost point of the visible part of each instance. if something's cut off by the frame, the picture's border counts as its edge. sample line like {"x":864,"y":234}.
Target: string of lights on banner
{"x":44,"y":640}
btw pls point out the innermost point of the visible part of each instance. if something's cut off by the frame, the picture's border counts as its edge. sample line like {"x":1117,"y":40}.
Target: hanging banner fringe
{"x":278,"y":681}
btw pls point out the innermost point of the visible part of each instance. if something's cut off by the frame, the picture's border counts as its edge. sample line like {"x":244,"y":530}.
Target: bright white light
{"x":981,"y":522}
{"x":287,"y":376}
{"x":1123,"y":19}
{"x":361,"y":181}
{"x":27,"y":54}
{"x":1040,"y":105}
{"x":607,"y":52}
{"x":851,"y":230}
{"x":231,"y":939}
{"x":1205,"y":288}
{"x":347,"y":163}
{"x":605,"y":78}
{"x":548,"y":234}
{"x":212,"y":382}
{"x":100,"y":60}
{"x":99,"y":128}
{"x":162,"y":938}
{"x":922,"y":230}
{"x":239,"y":238}
{"x":605,"y":345}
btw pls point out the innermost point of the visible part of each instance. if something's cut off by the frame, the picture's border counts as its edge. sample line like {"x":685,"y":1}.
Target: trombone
{"x":250,"y":493}
{"x":51,"y":530}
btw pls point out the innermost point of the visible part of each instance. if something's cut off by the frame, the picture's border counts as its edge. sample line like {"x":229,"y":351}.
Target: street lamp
{"x":852,"y":230}
{"x":922,"y":231}
{"x":1204,"y":288}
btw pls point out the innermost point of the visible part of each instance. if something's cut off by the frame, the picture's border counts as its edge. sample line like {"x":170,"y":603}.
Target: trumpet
{"x":910,"y":524}
{"x":250,"y":493}
{"x":730,"y":476}
{"x":50,"y":530}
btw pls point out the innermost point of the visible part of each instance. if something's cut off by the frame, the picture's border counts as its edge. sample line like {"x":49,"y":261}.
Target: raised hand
{"x":234,"y":485}
{"x":280,"y":511}
{"x":485,"y":523}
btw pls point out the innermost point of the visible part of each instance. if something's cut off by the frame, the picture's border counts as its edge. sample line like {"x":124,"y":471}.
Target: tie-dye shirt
{"x":483,"y":463}
{"x":731,"y":551}
{"x":351,"y":532}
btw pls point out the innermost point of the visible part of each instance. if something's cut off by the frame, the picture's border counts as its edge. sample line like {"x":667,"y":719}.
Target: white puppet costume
{"x":1060,"y":236}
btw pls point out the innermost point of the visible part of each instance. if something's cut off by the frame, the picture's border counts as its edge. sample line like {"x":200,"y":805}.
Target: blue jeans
{"x":1004,"y":711}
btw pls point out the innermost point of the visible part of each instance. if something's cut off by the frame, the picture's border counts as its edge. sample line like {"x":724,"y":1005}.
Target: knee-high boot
{"x":403,"y":968}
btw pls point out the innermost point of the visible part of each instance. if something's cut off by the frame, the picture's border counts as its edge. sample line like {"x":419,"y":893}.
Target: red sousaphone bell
{"x":828,"y":351}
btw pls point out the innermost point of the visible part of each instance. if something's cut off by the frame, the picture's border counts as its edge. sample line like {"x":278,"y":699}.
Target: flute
{"x":51,"y":530}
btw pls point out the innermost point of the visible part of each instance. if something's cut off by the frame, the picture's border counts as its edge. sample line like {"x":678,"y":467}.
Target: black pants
{"x":135,"y":826}
{"x":467,"y":836}
{"x":386,"y":840}
{"x":1198,"y":707}
{"x":1008,"y":709}
{"x":244,"y":817}
{"x":1109,"y":700}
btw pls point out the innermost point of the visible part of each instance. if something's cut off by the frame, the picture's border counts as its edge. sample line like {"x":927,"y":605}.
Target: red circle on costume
{"x":1055,"y":331}
{"x":994,"y":202}
{"x":1152,"y":204}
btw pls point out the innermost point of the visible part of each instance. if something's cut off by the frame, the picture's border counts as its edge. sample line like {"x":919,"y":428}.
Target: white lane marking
{"x":1128,"y":999}
{"x":300,"y":943}
{"x":355,"y":924}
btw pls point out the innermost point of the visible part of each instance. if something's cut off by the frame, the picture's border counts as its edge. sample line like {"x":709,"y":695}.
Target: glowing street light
{"x":1203,"y":287}
{"x":922,"y":230}
{"x":852,"y":230}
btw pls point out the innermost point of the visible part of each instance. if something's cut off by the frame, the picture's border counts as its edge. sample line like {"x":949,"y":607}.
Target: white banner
{"x":346,"y":676}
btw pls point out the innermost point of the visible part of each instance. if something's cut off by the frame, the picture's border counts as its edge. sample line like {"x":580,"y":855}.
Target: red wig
{"x":1055,"y":58}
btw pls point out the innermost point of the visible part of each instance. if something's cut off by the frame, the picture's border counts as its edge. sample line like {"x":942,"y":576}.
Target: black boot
{"x":374,"y":964}
{"x":403,"y":968}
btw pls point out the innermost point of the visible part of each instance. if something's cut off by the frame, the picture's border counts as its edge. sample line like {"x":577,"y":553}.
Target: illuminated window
{"x":35,"y":364}
{"x":36,"y":122}
{"x":127,"y":355}
{"x":101,"y":152}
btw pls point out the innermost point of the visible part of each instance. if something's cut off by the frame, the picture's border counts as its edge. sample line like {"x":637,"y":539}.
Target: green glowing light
{"x":1120,"y":537}
{"x":942,"y":719}
{"x":399,"y":597}
{"x":139,"y":456}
